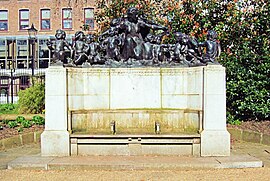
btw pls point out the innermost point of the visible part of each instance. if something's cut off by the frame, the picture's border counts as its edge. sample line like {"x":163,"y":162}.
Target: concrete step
{"x":132,"y":162}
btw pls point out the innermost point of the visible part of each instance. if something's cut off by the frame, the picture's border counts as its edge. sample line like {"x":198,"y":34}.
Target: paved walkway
{"x":11,"y":154}
{"x":243,"y":155}
{"x":257,"y":150}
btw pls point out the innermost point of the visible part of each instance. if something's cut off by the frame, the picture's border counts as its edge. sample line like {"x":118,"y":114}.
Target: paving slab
{"x":239,"y":161}
{"x":243,"y":155}
{"x":132,"y":162}
{"x":10,"y":154}
{"x":30,"y":162}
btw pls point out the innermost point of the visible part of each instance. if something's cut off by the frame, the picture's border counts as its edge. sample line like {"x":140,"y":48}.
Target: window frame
{"x":89,"y":8}
{"x":4,"y":10}
{"x":23,"y":20}
{"x":41,"y":18}
{"x":63,"y":19}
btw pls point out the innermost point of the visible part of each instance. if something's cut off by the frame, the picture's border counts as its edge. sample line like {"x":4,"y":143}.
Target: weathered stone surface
{"x":132,"y":162}
{"x":236,"y":133}
{"x":136,"y":121}
{"x":266,"y":139}
{"x":37,"y":138}
{"x":251,"y":137}
{"x":215,"y":143}
{"x":215,"y":139}
{"x":55,"y":139}
{"x":56,"y":98}
{"x":180,"y":99}
{"x":12,"y":142}
{"x":27,"y":138}
{"x":55,"y":143}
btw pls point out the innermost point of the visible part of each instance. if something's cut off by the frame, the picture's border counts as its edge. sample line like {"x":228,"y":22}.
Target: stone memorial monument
{"x":126,"y":93}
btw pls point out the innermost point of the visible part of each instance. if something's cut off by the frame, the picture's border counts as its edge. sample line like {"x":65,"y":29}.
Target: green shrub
{"x":5,"y":121}
{"x":26,"y":124}
{"x":20,"y":119}
{"x":32,"y":99}
{"x":38,"y":120}
{"x":8,"y":108}
{"x":12,"y":124}
{"x":232,"y":120}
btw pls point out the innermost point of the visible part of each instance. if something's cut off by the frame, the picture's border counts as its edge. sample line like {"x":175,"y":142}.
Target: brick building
{"x":16,"y":16}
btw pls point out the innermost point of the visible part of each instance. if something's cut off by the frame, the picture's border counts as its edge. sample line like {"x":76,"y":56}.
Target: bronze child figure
{"x":58,"y":46}
{"x":212,"y":47}
{"x":80,"y":48}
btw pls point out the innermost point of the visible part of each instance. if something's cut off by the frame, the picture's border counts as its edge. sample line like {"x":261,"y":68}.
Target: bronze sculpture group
{"x":130,"y":41}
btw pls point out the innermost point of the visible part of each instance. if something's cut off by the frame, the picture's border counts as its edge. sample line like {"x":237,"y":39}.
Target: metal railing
{"x":14,"y":80}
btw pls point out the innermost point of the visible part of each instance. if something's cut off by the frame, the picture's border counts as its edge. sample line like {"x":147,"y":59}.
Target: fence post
{"x":11,"y":84}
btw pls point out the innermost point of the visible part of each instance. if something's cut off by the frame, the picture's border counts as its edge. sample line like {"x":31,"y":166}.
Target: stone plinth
{"x":215,"y":139}
{"x":55,"y":138}
{"x":86,"y":100}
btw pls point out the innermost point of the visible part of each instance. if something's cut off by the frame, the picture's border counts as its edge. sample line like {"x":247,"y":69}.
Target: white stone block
{"x":104,"y":149}
{"x":53,"y":75}
{"x":76,"y":102}
{"x":75,"y":82}
{"x":55,"y":138}
{"x":214,"y":108}
{"x":194,"y":81}
{"x":97,"y":82}
{"x":56,"y":113}
{"x":174,"y":101}
{"x":215,"y":143}
{"x":135,"y":88}
{"x":55,"y":143}
{"x":56,"y":99}
{"x":214,"y":79}
{"x":96,"y":102}
{"x":214,"y":112}
{"x":215,"y":139}
{"x":194,"y":101}
{"x":173,"y":81}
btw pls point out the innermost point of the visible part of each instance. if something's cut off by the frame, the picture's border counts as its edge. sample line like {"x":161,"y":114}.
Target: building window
{"x":3,"y":20}
{"x":43,"y":53}
{"x":45,"y":19}
{"x":24,"y":19}
{"x":89,"y":18}
{"x":67,"y":18}
{"x":22,"y":53}
{"x":3,"y":54}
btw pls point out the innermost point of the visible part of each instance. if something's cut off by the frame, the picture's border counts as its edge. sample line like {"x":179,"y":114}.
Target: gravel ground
{"x":207,"y":174}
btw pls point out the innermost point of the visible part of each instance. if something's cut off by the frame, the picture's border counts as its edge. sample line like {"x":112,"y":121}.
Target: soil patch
{"x":261,"y":127}
{"x":7,"y":132}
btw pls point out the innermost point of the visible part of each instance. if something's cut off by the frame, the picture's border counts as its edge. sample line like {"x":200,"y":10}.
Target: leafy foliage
{"x":8,"y":108}
{"x":26,"y":124}
{"x":231,"y":120}
{"x":38,"y":120}
{"x":20,"y":119}
{"x":12,"y":124}
{"x":32,"y":99}
{"x":21,"y":123}
{"x":243,"y":28}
